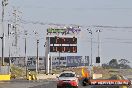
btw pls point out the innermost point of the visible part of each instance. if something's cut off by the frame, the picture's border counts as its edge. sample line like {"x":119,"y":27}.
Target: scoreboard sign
{"x":65,"y":30}
{"x":64,"y":49}
{"x":51,"y":30}
{"x":63,"y":40}
{"x":63,"y":44}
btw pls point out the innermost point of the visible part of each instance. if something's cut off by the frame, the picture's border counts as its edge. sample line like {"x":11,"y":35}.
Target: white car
{"x":67,"y":79}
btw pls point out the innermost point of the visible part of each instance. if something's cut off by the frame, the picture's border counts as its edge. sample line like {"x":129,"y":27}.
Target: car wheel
{"x":85,"y":81}
{"x":75,"y":87}
{"x":58,"y":87}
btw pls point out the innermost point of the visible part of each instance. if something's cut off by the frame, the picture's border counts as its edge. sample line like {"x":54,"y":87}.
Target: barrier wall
{"x":5,"y":77}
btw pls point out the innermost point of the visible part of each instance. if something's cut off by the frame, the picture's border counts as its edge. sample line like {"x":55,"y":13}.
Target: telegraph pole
{"x":4,"y":3}
{"x":9,"y":25}
{"x":50,"y":64}
{"x":37,"y":64}
{"x":90,"y":31}
{"x":47,"y":47}
{"x":37,"y":58}
{"x":98,"y":58}
{"x":59,"y":59}
{"x":25,"y":32}
{"x":98,"y":42}
{"x":16,"y":20}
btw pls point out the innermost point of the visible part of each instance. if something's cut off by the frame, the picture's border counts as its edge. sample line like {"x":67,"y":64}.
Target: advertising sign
{"x":64,"y":31}
{"x":74,"y":61}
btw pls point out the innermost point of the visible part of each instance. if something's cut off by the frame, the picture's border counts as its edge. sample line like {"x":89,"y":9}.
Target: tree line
{"x":117,"y":64}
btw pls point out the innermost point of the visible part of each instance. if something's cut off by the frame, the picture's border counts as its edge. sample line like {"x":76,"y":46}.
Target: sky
{"x":112,"y":17}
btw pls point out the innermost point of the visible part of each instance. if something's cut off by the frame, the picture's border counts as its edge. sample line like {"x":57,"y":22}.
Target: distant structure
{"x":31,"y":63}
{"x":18,"y":61}
{"x":70,"y":61}
{"x":62,"y":61}
{"x":60,"y":39}
{"x":15,"y":29}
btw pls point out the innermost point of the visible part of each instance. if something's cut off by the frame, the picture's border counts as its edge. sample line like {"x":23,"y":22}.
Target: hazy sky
{"x":115,"y":42}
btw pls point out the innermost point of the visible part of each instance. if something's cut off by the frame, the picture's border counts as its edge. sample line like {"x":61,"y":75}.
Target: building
{"x":19,"y":61}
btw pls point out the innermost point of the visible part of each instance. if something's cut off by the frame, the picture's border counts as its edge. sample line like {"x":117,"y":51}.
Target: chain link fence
{"x":4,"y":70}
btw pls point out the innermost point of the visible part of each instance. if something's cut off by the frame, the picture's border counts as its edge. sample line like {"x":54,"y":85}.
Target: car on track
{"x":67,"y":79}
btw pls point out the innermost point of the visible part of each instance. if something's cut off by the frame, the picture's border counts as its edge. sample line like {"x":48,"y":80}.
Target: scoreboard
{"x":63,"y":40}
{"x":63,"y":49}
{"x":63,"y":44}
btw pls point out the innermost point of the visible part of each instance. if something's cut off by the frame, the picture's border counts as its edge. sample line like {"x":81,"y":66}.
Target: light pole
{"x":9,"y":26}
{"x":98,"y":57}
{"x":47,"y":47}
{"x":60,"y":45}
{"x":4,"y":3}
{"x":98,"y":42}
{"x":90,"y":31}
{"x":37,"y":58}
{"x":37,"y":65}
{"x":25,"y":33}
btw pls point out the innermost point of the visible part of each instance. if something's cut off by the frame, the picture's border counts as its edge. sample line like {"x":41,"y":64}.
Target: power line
{"x":59,"y":24}
{"x":116,"y":39}
{"x":117,"y":27}
{"x":77,"y":8}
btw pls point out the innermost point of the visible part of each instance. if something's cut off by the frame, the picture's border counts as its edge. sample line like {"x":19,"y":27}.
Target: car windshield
{"x":67,"y":75}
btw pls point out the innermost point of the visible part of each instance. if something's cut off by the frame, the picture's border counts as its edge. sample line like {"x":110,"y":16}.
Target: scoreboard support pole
{"x":47,"y":54}
{"x":51,"y":64}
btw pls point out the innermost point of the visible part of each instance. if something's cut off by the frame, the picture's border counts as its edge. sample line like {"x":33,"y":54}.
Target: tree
{"x":113,"y":63}
{"x":105,"y":65}
{"x":123,"y":63}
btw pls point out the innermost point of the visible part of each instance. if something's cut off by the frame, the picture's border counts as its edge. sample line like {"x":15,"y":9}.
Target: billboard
{"x":70,"y":61}
{"x":58,"y":61}
{"x":73,"y":61}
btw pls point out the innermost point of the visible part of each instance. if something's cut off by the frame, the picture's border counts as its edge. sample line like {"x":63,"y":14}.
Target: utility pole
{"x":16,"y":16}
{"x":98,"y":58}
{"x":47,"y":47}
{"x":37,"y":58}
{"x":9,"y":26}
{"x":50,"y":64}
{"x":45,"y":57}
{"x":59,"y":59}
{"x":25,"y":32}
{"x":4,"y":3}
{"x":58,"y":37}
{"x":90,"y":31}
{"x":98,"y":42}
{"x":37,"y":64}
{"x":16,"y":20}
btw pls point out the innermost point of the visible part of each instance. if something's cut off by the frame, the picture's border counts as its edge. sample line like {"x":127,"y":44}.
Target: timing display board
{"x":64,"y":49}
{"x":64,"y":30}
{"x":52,"y":30}
{"x":63,"y":40}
